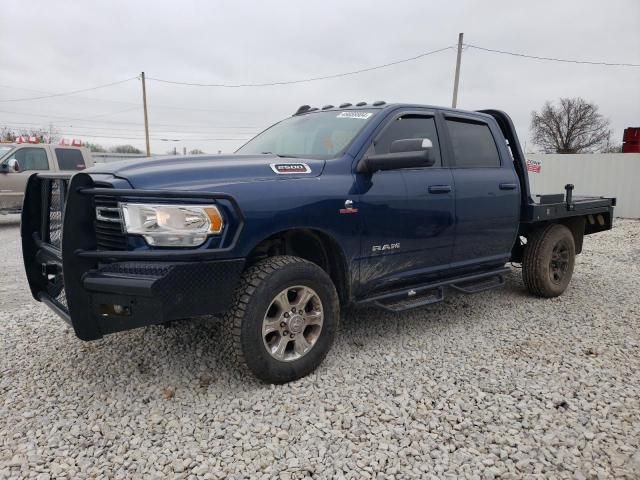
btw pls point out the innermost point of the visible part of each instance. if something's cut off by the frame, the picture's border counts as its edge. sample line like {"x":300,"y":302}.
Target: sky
{"x":58,"y":47}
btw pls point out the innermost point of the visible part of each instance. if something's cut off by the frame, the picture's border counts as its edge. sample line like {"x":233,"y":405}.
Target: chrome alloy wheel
{"x":292,"y":323}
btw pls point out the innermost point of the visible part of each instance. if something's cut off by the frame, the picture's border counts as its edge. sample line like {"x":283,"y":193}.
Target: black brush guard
{"x":99,"y":292}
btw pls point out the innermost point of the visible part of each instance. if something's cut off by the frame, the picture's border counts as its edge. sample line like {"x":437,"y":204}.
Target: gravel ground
{"x":498,"y":384}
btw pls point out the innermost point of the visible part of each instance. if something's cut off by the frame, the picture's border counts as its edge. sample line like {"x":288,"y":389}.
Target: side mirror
{"x":13,"y":165}
{"x":407,"y":153}
{"x":10,"y":166}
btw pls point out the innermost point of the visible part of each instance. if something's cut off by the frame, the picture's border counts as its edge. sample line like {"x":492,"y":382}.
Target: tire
{"x":548,"y":261}
{"x":259,"y":303}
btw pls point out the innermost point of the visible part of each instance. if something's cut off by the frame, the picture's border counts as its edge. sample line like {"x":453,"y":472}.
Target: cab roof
{"x":380,"y":105}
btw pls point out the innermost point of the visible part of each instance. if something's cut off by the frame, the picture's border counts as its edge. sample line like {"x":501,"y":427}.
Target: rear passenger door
{"x":487,"y":200}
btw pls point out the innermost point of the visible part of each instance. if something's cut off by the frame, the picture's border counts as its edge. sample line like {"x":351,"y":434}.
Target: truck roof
{"x":381,"y":105}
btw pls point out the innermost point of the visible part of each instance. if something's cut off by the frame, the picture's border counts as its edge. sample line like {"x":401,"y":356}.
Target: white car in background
{"x":19,"y":161}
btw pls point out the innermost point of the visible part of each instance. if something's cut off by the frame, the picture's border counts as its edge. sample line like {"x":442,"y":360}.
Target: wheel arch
{"x":313,"y":245}
{"x":576,"y":225}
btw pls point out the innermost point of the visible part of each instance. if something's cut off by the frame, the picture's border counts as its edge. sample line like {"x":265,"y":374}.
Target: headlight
{"x":172,"y":225}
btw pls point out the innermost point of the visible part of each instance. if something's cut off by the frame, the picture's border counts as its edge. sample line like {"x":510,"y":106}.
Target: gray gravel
{"x":493,"y":385}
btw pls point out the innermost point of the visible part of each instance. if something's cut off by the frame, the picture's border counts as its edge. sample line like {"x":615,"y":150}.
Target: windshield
{"x":315,"y":135}
{"x":4,"y":149}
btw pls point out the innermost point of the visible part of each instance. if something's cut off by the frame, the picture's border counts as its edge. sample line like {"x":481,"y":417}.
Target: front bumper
{"x":100,"y":292}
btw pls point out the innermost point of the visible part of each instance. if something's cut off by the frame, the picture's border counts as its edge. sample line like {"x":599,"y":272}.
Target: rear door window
{"x":70,"y":159}
{"x":473,"y":144}
{"x":31,"y":158}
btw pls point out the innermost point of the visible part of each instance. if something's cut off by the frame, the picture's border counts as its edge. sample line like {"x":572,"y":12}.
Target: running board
{"x":428,"y":293}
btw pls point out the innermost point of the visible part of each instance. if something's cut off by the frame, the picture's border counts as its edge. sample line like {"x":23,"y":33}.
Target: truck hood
{"x":199,"y":171}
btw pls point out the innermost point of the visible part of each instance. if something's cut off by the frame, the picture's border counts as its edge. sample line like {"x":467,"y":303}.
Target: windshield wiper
{"x":279,"y":155}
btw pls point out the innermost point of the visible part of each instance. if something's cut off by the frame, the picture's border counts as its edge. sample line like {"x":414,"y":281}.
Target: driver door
{"x":12,"y":184}
{"x":408,"y":215}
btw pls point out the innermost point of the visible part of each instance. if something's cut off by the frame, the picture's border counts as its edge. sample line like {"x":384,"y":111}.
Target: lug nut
{"x":301,"y":312}
{"x":286,"y":314}
{"x":293,"y":310}
{"x":282,"y":324}
{"x":292,"y":335}
{"x":285,"y":333}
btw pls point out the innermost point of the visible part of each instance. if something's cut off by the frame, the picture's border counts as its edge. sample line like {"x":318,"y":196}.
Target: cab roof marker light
{"x":302,"y":109}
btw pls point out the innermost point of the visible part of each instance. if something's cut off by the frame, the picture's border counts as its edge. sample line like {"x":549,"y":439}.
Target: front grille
{"x":108,"y":224}
{"x":54,"y":193}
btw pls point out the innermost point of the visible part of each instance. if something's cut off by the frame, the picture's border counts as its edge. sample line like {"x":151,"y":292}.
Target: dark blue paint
{"x":464,"y":222}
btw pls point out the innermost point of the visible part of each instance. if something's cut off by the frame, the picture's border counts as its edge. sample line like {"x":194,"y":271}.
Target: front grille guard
{"x":56,"y":260}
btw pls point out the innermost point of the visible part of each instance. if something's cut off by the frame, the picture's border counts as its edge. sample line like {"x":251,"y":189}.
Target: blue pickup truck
{"x":389,"y":205}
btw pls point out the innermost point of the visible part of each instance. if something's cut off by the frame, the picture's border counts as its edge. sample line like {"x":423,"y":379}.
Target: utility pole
{"x":454,"y":102}
{"x":146,"y":116}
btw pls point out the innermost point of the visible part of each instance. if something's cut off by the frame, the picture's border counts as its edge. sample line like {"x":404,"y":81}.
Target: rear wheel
{"x":284,"y":318}
{"x":548,"y":261}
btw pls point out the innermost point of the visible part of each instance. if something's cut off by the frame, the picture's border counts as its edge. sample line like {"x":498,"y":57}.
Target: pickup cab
{"x":391,"y":205}
{"x":19,"y":162}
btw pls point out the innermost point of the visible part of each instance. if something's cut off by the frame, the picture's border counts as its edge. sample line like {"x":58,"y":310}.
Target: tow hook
{"x":50,"y":269}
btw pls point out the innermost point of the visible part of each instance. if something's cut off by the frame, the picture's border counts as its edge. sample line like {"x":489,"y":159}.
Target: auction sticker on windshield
{"x":359,"y":115}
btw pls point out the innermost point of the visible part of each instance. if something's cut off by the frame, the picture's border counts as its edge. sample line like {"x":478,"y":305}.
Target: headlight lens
{"x":172,"y":225}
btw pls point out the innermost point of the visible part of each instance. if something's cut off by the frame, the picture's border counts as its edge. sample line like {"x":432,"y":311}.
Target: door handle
{"x":439,"y":188}
{"x":508,"y":186}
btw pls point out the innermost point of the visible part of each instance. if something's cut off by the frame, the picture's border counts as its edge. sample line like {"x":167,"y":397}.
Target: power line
{"x":164,"y":131}
{"x":80,"y":119}
{"x":290,"y":82}
{"x":59,"y":119}
{"x":153,"y":137}
{"x":101,"y":131}
{"x":63,"y":94}
{"x":153,"y":107}
{"x":551,"y":59}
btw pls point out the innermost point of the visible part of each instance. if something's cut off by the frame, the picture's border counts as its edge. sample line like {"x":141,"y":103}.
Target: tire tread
{"x":532,"y":261}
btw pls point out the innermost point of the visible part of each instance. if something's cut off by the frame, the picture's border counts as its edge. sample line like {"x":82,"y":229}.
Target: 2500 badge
{"x":289,"y":168}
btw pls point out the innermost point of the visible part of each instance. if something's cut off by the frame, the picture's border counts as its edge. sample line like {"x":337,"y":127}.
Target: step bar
{"x":433,"y":292}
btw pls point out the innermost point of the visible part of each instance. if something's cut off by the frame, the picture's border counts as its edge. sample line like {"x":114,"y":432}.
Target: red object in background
{"x":631,"y":140}
{"x":24,"y":139}
{"x":534,"y":166}
{"x":73,"y":142}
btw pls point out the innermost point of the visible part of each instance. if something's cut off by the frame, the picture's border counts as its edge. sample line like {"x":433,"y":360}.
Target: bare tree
{"x":573,"y":126}
{"x":7,"y":135}
{"x":612,"y":148}
{"x":125,"y":149}
{"x":10,"y":135}
{"x":94,"y":147}
{"x":196,"y":151}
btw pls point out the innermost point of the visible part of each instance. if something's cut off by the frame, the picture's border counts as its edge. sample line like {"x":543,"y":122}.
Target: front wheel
{"x":549,"y":257}
{"x":284,"y":318}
